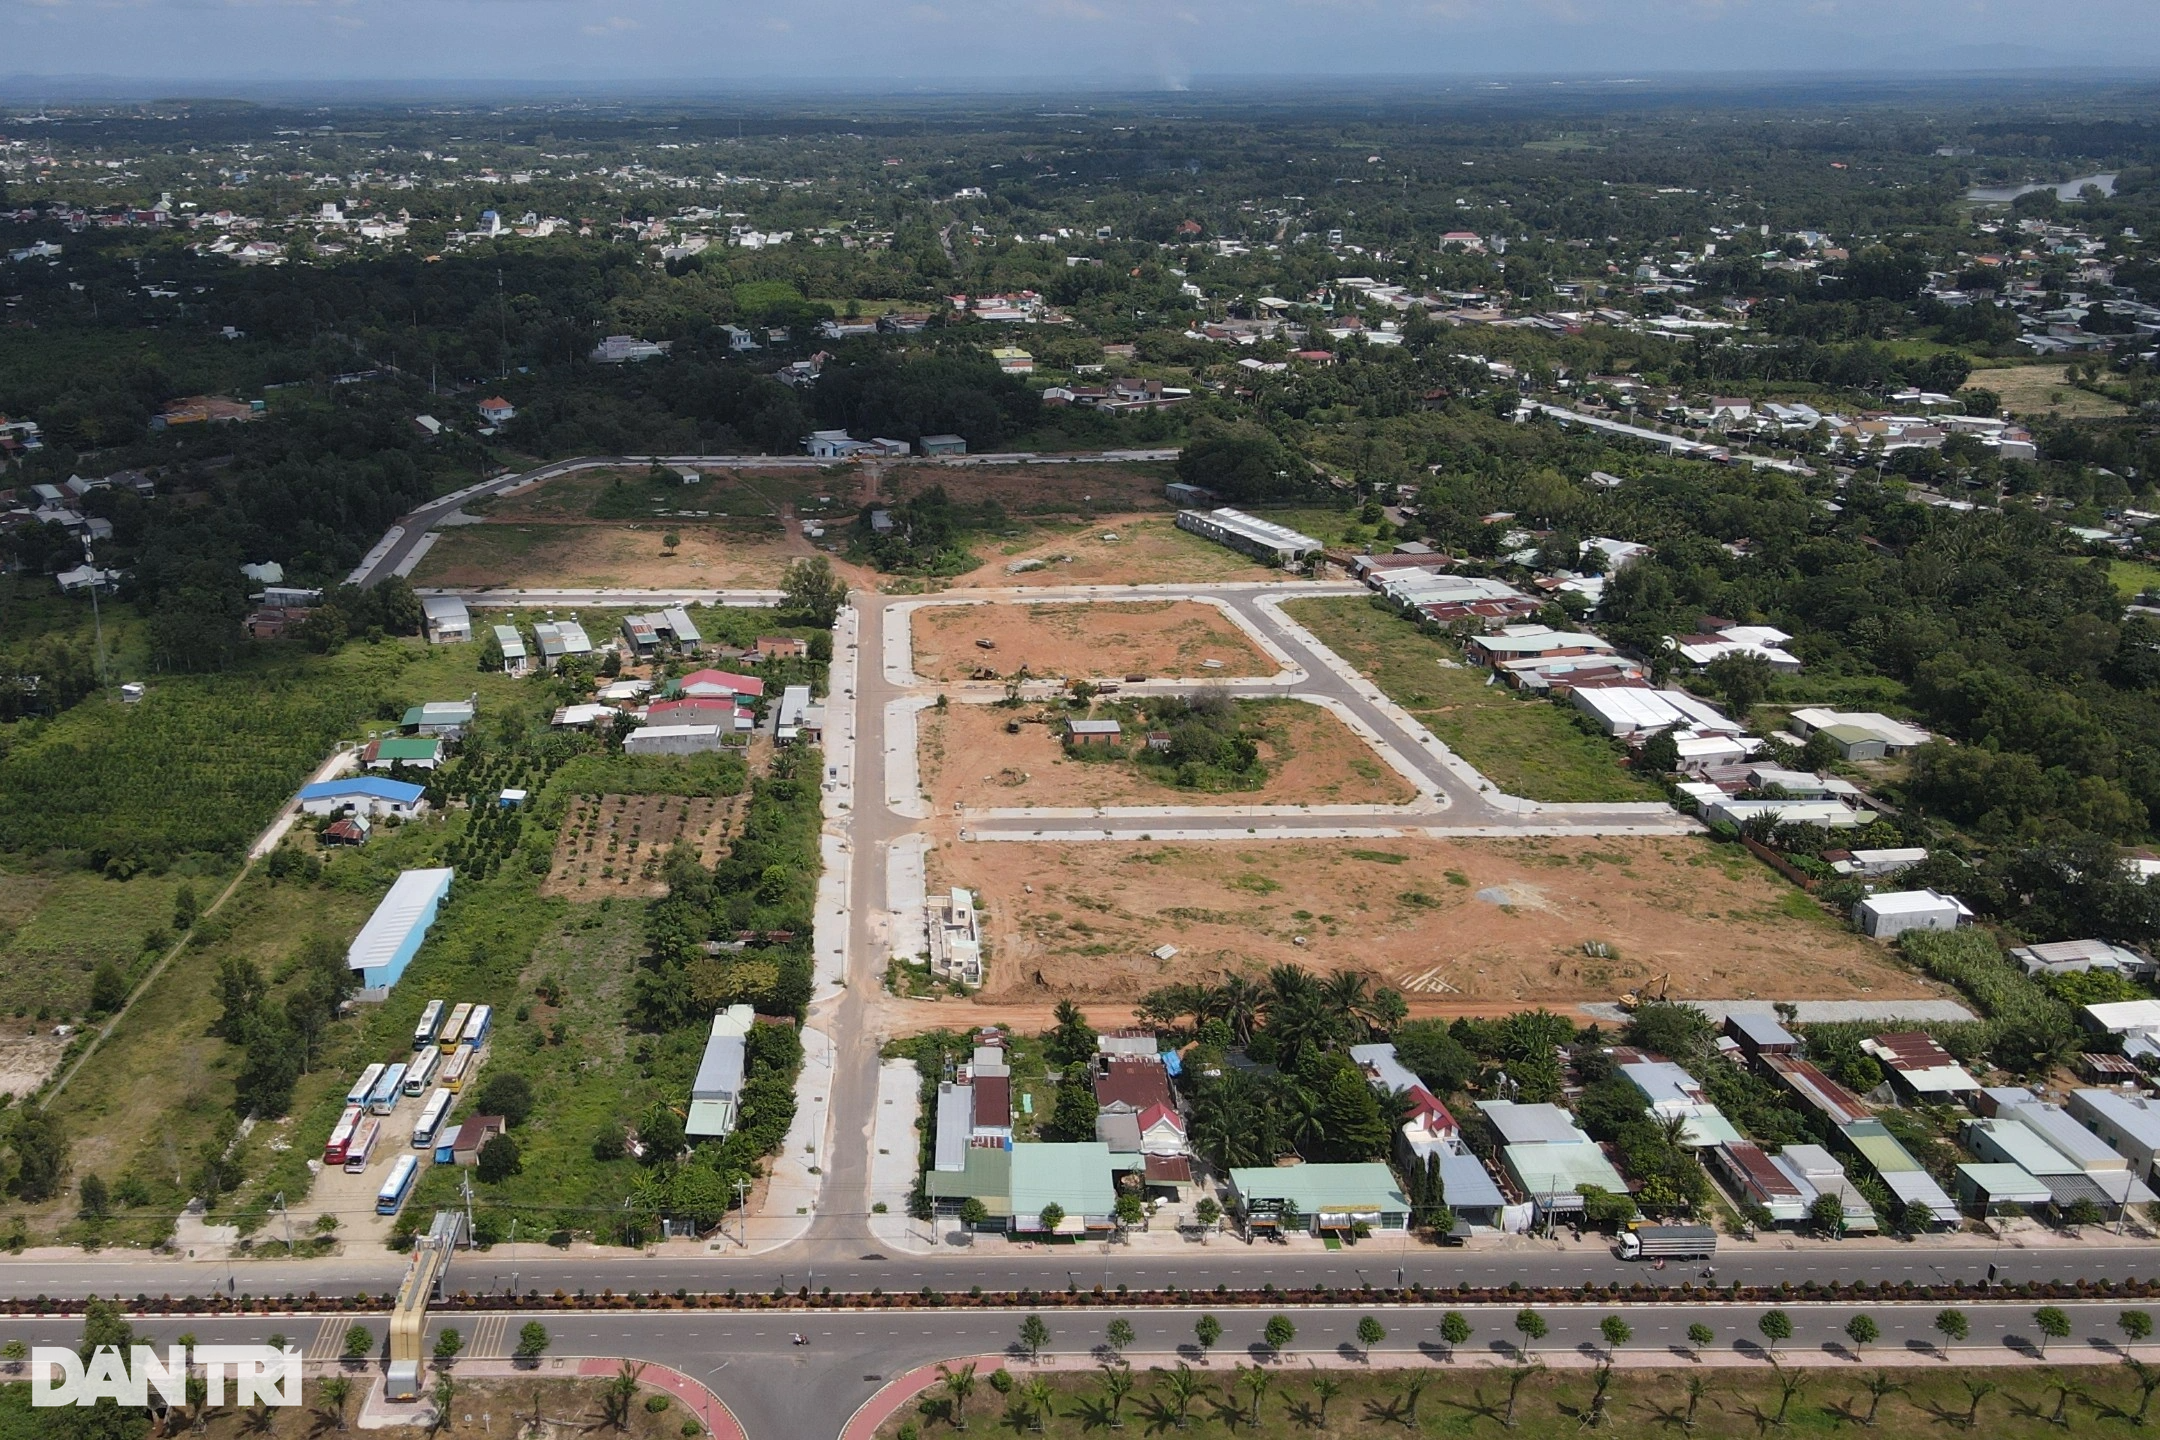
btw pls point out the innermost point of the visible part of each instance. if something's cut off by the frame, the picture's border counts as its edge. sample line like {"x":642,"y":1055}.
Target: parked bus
{"x":362,"y":1144}
{"x":364,"y":1086}
{"x":453,"y":1026}
{"x":431,"y":1119}
{"x":454,"y":1070}
{"x":430,"y":1025}
{"x":341,"y":1135}
{"x":476,"y":1026}
{"x":398,"y":1186}
{"x":385,"y":1096}
{"x":422,"y":1070}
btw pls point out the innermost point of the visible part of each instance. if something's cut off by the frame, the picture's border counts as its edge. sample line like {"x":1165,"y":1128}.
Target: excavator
{"x":1654,"y":993}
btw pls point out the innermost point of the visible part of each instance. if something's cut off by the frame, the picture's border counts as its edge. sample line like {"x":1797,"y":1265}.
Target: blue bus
{"x":383,"y":1099}
{"x":476,"y":1028}
{"x":398,"y":1186}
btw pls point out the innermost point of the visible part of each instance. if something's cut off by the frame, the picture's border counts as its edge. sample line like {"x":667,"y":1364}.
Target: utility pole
{"x":278,"y":1203}
{"x":465,"y":1184}
{"x":742,"y":1210}
{"x":97,"y":618}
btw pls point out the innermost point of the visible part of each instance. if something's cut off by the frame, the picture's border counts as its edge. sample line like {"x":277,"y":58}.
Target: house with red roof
{"x":714,"y":684}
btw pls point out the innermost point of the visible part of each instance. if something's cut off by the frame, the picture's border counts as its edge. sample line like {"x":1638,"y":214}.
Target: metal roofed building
{"x":1829,"y":814}
{"x":2007,"y":1142}
{"x":677,"y":622}
{"x":1094,"y":732}
{"x":363,"y":795}
{"x":1990,"y":1184}
{"x":1671,"y":1092}
{"x":559,"y":640}
{"x":393,"y":934}
{"x":1906,"y":1177}
{"x":1074,"y":1176}
{"x":1751,"y":1175}
{"x":1537,"y":1124}
{"x":515,"y":659}
{"x":985,"y":1174}
{"x":1879,"y":862}
{"x":1920,"y":1067}
{"x":1326,"y":1197}
{"x":1383,"y":1069}
{"x":1818,"y":1168}
{"x":2063,"y":957}
{"x":440,"y":717}
{"x":1249,"y":535}
{"x":672,"y":740}
{"x":1761,"y":1035}
{"x":2130,"y":1124}
{"x":1859,"y":734}
{"x":1816,"y":1089}
{"x":448,"y":621}
{"x":716,"y":1093}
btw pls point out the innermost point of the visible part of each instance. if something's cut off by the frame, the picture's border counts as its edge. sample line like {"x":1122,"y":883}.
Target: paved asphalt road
{"x":780,"y":1391}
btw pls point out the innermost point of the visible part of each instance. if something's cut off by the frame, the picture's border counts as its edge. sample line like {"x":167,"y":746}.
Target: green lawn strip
{"x":1734,"y":1403}
{"x":1526,"y":747}
{"x":2133,"y":577}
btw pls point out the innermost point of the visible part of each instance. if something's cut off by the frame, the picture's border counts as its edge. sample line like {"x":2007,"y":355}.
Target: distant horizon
{"x":21,"y":91}
{"x":974,"y":46}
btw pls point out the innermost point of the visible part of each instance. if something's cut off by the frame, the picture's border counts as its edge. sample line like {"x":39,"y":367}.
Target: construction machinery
{"x":1655,"y":993}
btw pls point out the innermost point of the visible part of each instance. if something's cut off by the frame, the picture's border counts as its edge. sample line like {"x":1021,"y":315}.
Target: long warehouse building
{"x":392,"y":935}
{"x":1261,"y":539}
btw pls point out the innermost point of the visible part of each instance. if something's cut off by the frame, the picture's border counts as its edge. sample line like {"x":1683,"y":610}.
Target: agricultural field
{"x":1161,"y":638}
{"x":1735,"y":1403}
{"x":1121,"y":550}
{"x":1458,"y":925}
{"x":2032,"y":391}
{"x":1033,"y":491}
{"x":1527,"y":747}
{"x":1309,"y":756}
{"x":613,"y":844}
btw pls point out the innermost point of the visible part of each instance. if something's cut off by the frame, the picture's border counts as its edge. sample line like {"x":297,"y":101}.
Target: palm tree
{"x":1977,"y":1390}
{"x":1697,"y":1387}
{"x":1037,"y":1396}
{"x":1185,"y":1385}
{"x":444,"y":1396}
{"x":959,"y":1389}
{"x":1673,"y":1131}
{"x":1117,"y":1384}
{"x":1327,"y":1388}
{"x":1301,"y":1112}
{"x":1516,"y":1376}
{"x":2065,"y":1390}
{"x":1412,"y":1388}
{"x":618,"y":1394}
{"x":334,"y":1391}
{"x":1240,"y":1003}
{"x":1878,"y":1385}
{"x":2147,"y":1379}
{"x":1388,"y":1010}
{"x":1347,"y":993}
{"x":1257,"y":1383}
{"x":1790,"y":1384}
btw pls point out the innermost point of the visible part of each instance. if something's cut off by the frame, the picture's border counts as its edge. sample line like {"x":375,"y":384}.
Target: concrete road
{"x":781,"y":1391}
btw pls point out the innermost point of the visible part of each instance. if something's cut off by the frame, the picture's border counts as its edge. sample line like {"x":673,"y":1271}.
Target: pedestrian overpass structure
{"x":422,"y":1286}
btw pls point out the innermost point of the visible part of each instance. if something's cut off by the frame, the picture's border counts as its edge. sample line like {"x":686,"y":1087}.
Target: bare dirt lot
{"x":28,"y":1057}
{"x":1161,"y":638}
{"x":1457,"y":925}
{"x":1147,"y":550}
{"x":1312,"y":759}
{"x":614,"y":844}
{"x":546,"y":555}
{"x":1039,"y":489}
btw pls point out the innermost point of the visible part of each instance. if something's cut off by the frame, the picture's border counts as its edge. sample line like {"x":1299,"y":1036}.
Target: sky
{"x":191,"y":46}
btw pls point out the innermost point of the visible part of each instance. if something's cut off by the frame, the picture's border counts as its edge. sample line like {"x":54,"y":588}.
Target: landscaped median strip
{"x":719,"y":1421}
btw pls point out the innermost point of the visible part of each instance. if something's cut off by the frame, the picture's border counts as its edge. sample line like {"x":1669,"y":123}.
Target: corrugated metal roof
{"x":412,"y":899}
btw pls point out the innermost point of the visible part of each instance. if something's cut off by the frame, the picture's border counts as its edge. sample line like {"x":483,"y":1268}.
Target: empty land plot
{"x":1530,"y":748}
{"x":55,"y":930}
{"x":615,"y":844}
{"x":1057,"y":489}
{"x":592,"y":555}
{"x":2042,"y":390}
{"x":1115,"y":550}
{"x":1312,"y":758}
{"x":1489,"y":924}
{"x":1161,"y":638}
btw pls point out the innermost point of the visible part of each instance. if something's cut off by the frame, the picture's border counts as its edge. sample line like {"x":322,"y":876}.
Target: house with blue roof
{"x":367,"y":795}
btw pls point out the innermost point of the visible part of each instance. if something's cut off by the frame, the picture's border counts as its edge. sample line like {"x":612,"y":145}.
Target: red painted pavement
{"x":719,"y":1421}
{"x":899,"y":1393}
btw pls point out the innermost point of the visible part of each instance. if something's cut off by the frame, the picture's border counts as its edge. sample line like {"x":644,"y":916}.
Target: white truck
{"x":1668,"y":1242}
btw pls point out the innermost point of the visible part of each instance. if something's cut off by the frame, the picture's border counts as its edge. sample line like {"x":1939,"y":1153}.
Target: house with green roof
{"x":1016,"y":1183}
{"x":1320,"y":1197}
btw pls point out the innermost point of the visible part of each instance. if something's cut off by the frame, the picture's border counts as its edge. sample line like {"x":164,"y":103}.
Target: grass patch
{"x":1737,"y":1404}
{"x":1530,"y":748}
{"x":56,"y":929}
{"x":2133,"y":578}
{"x":1378,"y":857}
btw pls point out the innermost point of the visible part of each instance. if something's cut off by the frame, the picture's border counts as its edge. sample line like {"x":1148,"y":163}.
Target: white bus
{"x":364,"y":1086}
{"x":393,"y":1192}
{"x":387,"y":1089}
{"x":422,"y":1070}
{"x":431,"y":1019}
{"x":362,"y":1144}
{"x":431,"y":1119}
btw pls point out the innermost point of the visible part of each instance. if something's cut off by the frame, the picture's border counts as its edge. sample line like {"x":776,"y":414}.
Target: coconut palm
{"x":1257,"y":1383}
{"x":1240,"y":1003}
{"x":1878,"y":1385}
{"x":1036,"y":1394}
{"x":959,"y":1389}
{"x":1697,"y":1387}
{"x":334,"y":1391}
{"x":1977,"y":1391}
{"x":1516,"y":1377}
{"x":1327,"y":1388}
{"x":1184,"y":1385}
{"x":1117,"y":1384}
